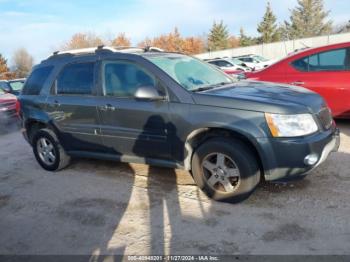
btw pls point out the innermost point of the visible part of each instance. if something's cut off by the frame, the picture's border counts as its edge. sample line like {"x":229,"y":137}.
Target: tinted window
{"x":76,"y":79}
{"x":246,"y":59}
{"x":223,"y":63}
{"x":334,"y":60}
{"x":36,"y":80}
{"x":301,"y":64}
{"x":122,"y":79}
{"x":328,"y":61}
{"x":214,"y":63}
{"x":16,"y":85}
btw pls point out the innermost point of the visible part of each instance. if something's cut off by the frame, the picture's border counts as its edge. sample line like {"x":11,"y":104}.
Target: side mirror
{"x":148,"y":93}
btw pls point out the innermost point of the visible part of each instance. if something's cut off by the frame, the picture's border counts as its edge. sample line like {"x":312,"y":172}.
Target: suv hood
{"x":263,"y":97}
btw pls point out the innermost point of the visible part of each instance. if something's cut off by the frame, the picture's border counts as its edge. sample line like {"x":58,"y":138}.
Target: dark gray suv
{"x":168,"y":109}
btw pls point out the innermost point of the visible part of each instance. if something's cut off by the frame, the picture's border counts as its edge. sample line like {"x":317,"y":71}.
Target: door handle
{"x":107,"y":107}
{"x":298,"y":83}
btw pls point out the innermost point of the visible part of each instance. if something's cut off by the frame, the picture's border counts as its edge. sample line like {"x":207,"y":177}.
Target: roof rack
{"x":114,"y":49}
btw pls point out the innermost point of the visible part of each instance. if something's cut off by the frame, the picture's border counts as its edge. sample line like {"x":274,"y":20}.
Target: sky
{"x":43,"y":26}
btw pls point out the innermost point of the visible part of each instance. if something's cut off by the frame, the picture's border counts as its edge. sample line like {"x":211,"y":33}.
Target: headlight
{"x":291,"y":125}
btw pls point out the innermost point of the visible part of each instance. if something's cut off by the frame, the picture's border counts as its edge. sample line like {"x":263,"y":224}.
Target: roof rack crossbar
{"x":115,"y":49}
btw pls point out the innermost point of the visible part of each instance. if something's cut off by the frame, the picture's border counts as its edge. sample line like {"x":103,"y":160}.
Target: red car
{"x":325,"y":70}
{"x":9,"y":107}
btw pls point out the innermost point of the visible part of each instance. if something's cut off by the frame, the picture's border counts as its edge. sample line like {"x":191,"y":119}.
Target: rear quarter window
{"x":37,"y":80}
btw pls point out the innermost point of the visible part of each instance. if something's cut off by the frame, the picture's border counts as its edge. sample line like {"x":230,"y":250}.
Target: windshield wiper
{"x":209,"y":87}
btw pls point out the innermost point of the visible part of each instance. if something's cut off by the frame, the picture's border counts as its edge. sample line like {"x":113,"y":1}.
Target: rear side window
{"x":37,"y":80}
{"x":76,"y":79}
{"x":334,"y":60}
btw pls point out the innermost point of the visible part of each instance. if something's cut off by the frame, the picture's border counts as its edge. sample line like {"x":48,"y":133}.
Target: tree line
{"x":22,"y":64}
{"x":307,"y":19}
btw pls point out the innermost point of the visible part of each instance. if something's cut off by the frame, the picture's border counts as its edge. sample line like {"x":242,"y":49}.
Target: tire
{"x":58,"y":159}
{"x":240,"y":169}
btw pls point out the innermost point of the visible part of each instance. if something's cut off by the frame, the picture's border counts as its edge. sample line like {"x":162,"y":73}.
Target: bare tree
{"x":23,"y":62}
{"x":83,"y":40}
{"x":121,"y":40}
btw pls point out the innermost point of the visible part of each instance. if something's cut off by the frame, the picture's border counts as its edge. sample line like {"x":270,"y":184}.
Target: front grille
{"x":325,"y":117}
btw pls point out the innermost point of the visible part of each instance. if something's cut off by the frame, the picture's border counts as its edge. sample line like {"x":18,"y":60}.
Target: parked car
{"x":8,"y":107}
{"x":255,"y":62}
{"x":173,"y":110}
{"x":12,"y":86}
{"x":229,"y":66}
{"x":325,"y":70}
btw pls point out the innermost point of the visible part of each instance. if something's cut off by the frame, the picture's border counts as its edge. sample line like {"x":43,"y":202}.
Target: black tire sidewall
{"x":47,"y":135}
{"x":243,"y":157}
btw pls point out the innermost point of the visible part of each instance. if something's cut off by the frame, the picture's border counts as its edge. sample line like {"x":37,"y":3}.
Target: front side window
{"x":334,"y":60}
{"x":36,"y":80}
{"x":122,"y":78}
{"x":301,"y":64}
{"x":76,"y":79}
{"x":190,"y":73}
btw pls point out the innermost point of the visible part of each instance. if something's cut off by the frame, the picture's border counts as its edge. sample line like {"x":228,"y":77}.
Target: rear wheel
{"x":48,"y":151}
{"x":225,"y":169}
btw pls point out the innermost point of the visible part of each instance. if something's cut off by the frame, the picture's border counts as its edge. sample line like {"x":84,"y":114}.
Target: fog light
{"x":311,"y":159}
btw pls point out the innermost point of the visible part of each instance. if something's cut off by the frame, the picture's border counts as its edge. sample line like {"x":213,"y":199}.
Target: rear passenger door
{"x":72,"y":106}
{"x":132,"y":126}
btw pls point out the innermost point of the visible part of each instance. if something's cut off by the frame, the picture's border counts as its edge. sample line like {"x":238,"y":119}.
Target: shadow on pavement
{"x":10,"y":127}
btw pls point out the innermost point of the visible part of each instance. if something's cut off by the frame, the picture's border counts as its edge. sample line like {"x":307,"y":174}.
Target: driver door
{"x":130,"y":126}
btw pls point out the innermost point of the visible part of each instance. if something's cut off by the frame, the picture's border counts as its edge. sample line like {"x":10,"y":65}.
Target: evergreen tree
{"x":3,"y":65}
{"x":268,"y":28}
{"x":308,"y":19}
{"x":218,"y":37}
{"x":245,"y":40}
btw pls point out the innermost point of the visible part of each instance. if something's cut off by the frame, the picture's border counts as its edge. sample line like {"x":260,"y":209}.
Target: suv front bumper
{"x":285,"y":158}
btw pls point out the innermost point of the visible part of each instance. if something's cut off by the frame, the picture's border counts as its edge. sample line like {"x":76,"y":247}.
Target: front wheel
{"x":225,"y":169}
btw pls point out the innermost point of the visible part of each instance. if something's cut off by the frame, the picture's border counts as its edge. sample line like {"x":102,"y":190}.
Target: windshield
{"x":260,"y":58}
{"x":191,"y":73}
{"x":236,"y":61}
{"x":16,"y":85}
